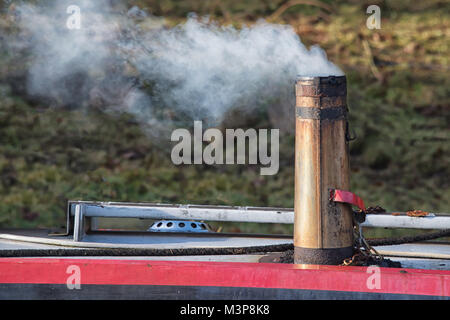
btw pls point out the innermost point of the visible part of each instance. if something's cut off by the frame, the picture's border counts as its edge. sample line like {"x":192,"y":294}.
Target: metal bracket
{"x":346,"y":197}
{"x":349,"y":137}
{"x":78,"y":223}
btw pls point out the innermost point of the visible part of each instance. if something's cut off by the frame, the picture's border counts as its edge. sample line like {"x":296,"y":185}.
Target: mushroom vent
{"x":179,"y":226}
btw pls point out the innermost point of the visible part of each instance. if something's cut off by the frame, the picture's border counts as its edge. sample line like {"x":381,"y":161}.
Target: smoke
{"x":212,"y":68}
{"x":127,"y":60}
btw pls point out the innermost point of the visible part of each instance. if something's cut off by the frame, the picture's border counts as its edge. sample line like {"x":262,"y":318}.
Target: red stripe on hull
{"x":225,"y":274}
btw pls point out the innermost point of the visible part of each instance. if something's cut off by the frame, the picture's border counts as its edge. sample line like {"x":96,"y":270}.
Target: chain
{"x":364,"y":252}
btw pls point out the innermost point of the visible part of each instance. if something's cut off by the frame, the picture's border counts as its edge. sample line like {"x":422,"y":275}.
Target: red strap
{"x":347,"y":197}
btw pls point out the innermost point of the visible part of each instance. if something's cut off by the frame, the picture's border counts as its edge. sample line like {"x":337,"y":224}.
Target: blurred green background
{"x":398,"y":95}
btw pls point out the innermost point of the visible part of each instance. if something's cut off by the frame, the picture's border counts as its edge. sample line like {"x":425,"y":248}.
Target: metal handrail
{"x":79,"y":211}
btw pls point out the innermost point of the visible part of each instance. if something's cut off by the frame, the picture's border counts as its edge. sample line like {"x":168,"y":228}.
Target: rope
{"x":77,"y":252}
{"x":207,"y":251}
{"x":409,"y":239}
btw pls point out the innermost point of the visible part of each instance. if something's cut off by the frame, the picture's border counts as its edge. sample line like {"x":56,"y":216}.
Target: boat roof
{"x":40,"y":243}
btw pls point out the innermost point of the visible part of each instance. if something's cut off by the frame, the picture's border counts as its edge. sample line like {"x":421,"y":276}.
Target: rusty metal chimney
{"x":323,"y":230}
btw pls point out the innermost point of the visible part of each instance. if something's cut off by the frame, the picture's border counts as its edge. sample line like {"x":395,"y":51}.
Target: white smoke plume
{"x":126,"y":59}
{"x":213,"y":67}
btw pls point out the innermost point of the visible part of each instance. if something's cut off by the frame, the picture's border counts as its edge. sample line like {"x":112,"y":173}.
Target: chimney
{"x":323,"y":229}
